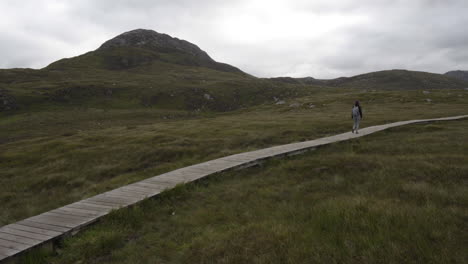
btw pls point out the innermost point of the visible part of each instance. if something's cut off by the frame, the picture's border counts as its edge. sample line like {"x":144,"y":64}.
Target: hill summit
{"x":142,"y":47}
{"x":461,"y":75}
{"x":150,"y":39}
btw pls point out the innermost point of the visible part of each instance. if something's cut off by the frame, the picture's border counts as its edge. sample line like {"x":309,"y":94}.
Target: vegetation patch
{"x":391,"y":197}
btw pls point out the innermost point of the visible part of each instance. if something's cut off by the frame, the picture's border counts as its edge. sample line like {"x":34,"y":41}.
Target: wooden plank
{"x":68,"y":217}
{"x":171,"y":178}
{"x":64,"y":219}
{"x":65,"y":214}
{"x":20,"y":239}
{"x":121,"y":193}
{"x":147,"y":191}
{"x":13,"y":245}
{"x":132,"y":200}
{"x":181,"y":178}
{"x":150,"y":185}
{"x":126,"y":194}
{"x":57,"y":221}
{"x":161,"y":182}
{"x":177,"y":174}
{"x":123,"y":189}
{"x":79,"y":211}
{"x":6,"y":251}
{"x":2,"y":257}
{"x":242,"y":159}
{"x":140,"y":188}
{"x":35,"y":230}
{"x":45,"y":226}
{"x":101,"y":204}
{"x":199,"y":171}
{"x":218,"y":164}
{"x":110,"y":201}
{"x":90,"y":207}
{"x":117,"y":198}
{"x":26,"y":234}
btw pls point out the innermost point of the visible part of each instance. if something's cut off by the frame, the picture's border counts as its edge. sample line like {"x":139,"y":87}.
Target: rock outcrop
{"x":7,"y":102}
{"x":162,"y":43}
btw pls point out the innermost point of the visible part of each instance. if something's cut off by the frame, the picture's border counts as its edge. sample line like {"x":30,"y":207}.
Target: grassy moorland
{"x":52,"y":158}
{"x":398,"y":196}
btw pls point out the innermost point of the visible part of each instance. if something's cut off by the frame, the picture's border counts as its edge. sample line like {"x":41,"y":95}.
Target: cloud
{"x":322,"y":38}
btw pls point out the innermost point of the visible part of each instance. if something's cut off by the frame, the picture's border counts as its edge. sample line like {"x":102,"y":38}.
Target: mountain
{"x":141,"y":47}
{"x":146,"y":69}
{"x":461,"y":75}
{"x":397,"y":80}
{"x":139,"y":68}
{"x":389,"y":80}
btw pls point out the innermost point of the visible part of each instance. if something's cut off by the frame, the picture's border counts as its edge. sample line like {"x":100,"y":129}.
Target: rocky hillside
{"x":140,"y":68}
{"x":141,"y":47}
{"x":146,"y":69}
{"x":461,"y":75}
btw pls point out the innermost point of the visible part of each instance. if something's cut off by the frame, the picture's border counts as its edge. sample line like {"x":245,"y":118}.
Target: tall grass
{"x":72,"y":154}
{"x":399,"y":196}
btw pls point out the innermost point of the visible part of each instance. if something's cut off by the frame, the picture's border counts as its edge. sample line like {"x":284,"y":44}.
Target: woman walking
{"x":356,"y":115}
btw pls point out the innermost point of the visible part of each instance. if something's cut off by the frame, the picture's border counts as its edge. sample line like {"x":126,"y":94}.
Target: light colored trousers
{"x":356,"y":119}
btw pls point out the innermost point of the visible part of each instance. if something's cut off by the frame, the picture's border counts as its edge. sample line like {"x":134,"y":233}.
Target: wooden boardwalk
{"x":21,"y":236}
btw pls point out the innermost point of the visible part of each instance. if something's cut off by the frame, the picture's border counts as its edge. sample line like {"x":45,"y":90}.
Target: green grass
{"x":399,"y":196}
{"x":73,"y":154}
{"x":87,"y":82}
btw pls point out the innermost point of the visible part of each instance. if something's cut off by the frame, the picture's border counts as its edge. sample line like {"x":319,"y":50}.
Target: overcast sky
{"x":266,"y":38}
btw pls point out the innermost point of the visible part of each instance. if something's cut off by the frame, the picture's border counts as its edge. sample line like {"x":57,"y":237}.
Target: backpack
{"x":356,"y":111}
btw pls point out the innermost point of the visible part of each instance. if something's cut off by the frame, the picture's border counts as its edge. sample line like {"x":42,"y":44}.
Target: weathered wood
{"x":93,"y":207}
{"x":3,"y":253}
{"x":26,"y":234}
{"x":19,"y":239}
{"x":20,"y":236}
{"x":8,"y":251}
{"x":59,"y":214}
{"x":141,"y":188}
{"x":170,"y":177}
{"x":44,"y":226}
{"x":120,"y":193}
{"x":124,"y":189}
{"x":150,"y":185}
{"x":77,"y":211}
{"x":34,"y":230}
{"x":56,"y":221}
{"x":161,"y":182}
{"x":112,"y":200}
{"x":71,"y":213}
{"x":101,"y":204}
{"x":149,"y":192}
{"x":13,"y":245}
{"x":67,"y":215}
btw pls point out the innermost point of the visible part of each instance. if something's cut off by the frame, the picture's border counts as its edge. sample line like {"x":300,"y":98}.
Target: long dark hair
{"x":356,"y":103}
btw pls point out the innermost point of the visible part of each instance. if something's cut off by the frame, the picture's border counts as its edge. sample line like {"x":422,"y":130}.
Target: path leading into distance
{"x":45,"y":228}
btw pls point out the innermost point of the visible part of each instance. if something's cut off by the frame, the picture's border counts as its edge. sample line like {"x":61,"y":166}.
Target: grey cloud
{"x":322,"y":38}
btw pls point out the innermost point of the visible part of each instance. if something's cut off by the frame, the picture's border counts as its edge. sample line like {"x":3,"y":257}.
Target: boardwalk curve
{"x":17,"y":238}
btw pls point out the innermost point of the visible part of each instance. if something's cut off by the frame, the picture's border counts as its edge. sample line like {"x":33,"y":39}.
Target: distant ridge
{"x":388,"y":79}
{"x":461,"y":75}
{"x":142,"y":68}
